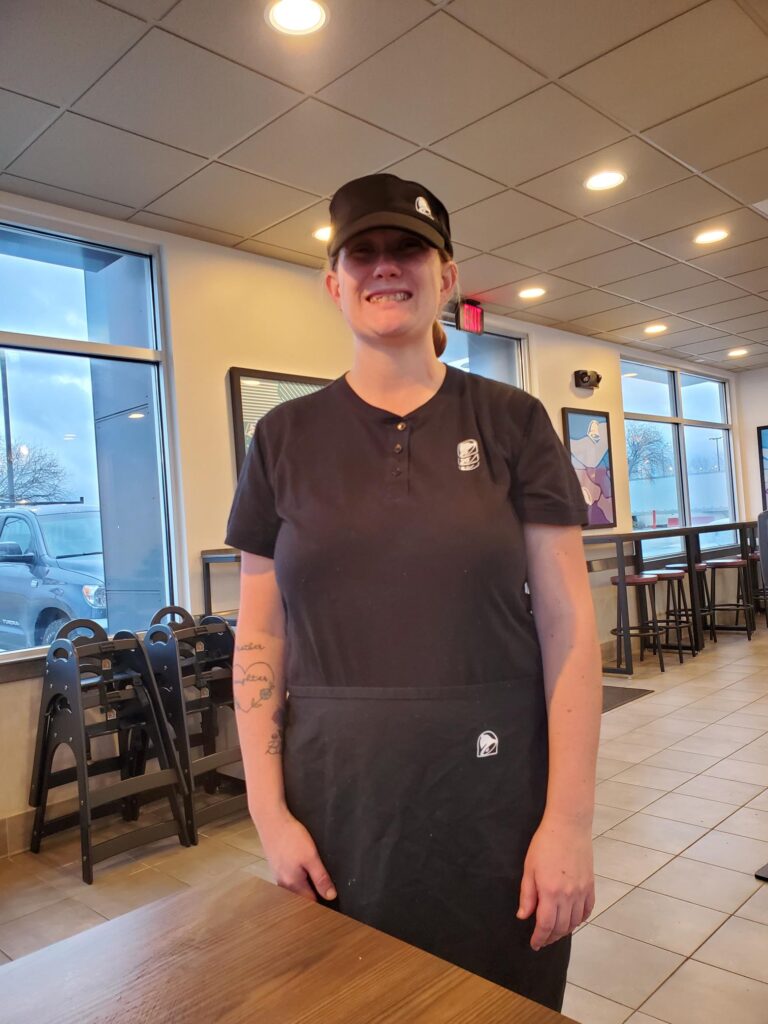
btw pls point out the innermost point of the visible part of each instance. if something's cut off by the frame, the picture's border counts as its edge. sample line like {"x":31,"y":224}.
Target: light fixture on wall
{"x":604,"y":180}
{"x":296,"y":17}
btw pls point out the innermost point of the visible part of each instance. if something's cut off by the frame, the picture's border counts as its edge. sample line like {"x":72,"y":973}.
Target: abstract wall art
{"x":587,"y":436}
{"x":762,"y":451}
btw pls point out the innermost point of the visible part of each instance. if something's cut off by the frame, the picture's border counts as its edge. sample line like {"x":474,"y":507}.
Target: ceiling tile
{"x":742,"y":225}
{"x":740,"y":324}
{"x":557,"y":36}
{"x":622,"y":316}
{"x":103,"y":162}
{"x":555,"y":288}
{"x":383,"y":90}
{"x":761,"y":335}
{"x":563,"y":244}
{"x":580,"y":304}
{"x":660,"y":282}
{"x":181,"y":227}
{"x":177,"y":93}
{"x":531,"y":318}
{"x":738,"y":260}
{"x":20,"y":121}
{"x":722,"y":353}
{"x":53,"y":50}
{"x":237,"y":29}
{"x":151,"y":10}
{"x":717,"y":132}
{"x":317,"y":148}
{"x":747,"y":178}
{"x":463,"y":252}
{"x":485,"y":272}
{"x":296,"y":232}
{"x":509,"y":145}
{"x":698,"y":348}
{"x":572,"y":328}
{"x":275,"y":252}
{"x":752,"y":361}
{"x":689,"y":60}
{"x":497,"y":308}
{"x":722,"y":311}
{"x":614,"y":266}
{"x":230,"y":200}
{"x":636,"y":332}
{"x":455,"y":186}
{"x":646,"y":169}
{"x":63,"y":196}
{"x":754,"y":281}
{"x":502,"y":219}
{"x":694,"y":298}
{"x":696,"y":335}
{"x":684,"y":202}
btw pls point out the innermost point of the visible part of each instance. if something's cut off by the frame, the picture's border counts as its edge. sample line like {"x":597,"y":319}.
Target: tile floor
{"x":680,"y":930}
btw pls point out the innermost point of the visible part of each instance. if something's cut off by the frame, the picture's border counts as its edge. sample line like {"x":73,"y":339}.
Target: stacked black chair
{"x":109,"y":682}
{"x":193,"y":667}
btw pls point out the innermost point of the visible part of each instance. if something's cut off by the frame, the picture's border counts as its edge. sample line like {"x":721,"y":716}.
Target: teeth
{"x":390,"y":297}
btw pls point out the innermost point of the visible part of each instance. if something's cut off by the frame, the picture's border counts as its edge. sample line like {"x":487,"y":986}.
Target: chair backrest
{"x":762,"y":537}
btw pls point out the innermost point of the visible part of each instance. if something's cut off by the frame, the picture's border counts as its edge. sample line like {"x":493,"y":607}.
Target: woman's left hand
{"x":558,"y":881}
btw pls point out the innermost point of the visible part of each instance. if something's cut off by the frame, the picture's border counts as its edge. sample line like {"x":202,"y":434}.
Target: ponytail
{"x":439,"y":339}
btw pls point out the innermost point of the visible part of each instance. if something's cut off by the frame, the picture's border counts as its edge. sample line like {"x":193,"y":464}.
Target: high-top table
{"x":247,"y":952}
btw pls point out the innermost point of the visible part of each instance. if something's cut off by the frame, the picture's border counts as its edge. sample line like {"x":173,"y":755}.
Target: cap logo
{"x":423,"y":207}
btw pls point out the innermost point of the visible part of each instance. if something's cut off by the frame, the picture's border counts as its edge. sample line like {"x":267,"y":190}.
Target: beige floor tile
{"x":663,"y":921}
{"x":122,"y":894}
{"x":656,"y":833}
{"x":589,"y":1008}
{"x":607,"y":892}
{"x":201,"y":864}
{"x":642,"y":1018}
{"x":247,"y":840}
{"x":22,"y":891}
{"x":654,"y":778}
{"x":747,"y":822}
{"x":618,"y":967}
{"x":673,"y":728}
{"x":739,"y":946}
{"x":4,"y":959}
{"x":728,"y":851}
{"x":704,"y":715}
{"x":45,"y":926}
{"x":690,"y":809}
{"x":703,"y":884}
{"x":756,"y":908}
{"x":679,"y":760}
{"x":725,"y":790}
{"x":631,"y":752}
{"x":260,"y":868}
{"x":625,"y":862}
{"x":620,"y":794}
{"x":605,"y":818}
{"x":755,"y":752}
{"x":706,"y":995}
{"x":760,"y":802}
{"x":699,"y":744}
{"x":720,"y":731}
{"x":607,"y":767}
{"x":739,"y":771}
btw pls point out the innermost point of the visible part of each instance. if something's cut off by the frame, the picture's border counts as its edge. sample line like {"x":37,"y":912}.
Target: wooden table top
{"x":247,"y":951}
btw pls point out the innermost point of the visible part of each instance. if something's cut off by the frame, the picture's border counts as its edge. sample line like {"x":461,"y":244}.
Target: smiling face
{"x":389,"y":283}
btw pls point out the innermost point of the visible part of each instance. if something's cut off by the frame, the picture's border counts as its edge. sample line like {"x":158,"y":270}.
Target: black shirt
{"x":398,"y":541}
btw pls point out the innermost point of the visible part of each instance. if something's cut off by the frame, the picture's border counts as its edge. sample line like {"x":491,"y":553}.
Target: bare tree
{"x":648,"y":453}
{"x":37,"y":476}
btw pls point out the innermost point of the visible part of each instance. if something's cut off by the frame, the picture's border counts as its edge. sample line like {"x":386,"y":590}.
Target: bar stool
{"x":761,"y":587}
{"x":705,"y":598}
{"x":677,"y":617}
{"x":644,"y":584}
{"x":742,"y":602}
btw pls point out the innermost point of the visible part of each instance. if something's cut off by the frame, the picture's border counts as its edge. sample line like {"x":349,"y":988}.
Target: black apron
{"x":422,"y":803}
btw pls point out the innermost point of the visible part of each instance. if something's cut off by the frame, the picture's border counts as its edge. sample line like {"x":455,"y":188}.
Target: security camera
{"x":587,"y":379}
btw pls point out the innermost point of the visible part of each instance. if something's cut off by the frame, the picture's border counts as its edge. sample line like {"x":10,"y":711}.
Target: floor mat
{"x":615,"y":696}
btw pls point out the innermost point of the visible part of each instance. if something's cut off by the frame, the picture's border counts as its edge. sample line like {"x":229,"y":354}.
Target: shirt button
{"x":401,"y":426}
{"x":396,"y":472}
{"x":398,"y":448}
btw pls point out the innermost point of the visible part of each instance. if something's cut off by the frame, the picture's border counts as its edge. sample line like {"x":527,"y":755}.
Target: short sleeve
{"x":545,"y":488}
{"x":253,"y":520}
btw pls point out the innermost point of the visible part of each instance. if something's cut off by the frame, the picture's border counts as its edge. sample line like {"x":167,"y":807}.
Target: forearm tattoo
{"x":275,"y":745}
{"x":261,"y":678}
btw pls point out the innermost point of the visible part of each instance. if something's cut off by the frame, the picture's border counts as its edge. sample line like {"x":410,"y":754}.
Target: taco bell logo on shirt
{"x":468,"y":453}
{"x":487,"y":744}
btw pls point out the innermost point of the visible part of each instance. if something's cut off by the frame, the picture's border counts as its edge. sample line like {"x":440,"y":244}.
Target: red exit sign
{"x":469,"y":316}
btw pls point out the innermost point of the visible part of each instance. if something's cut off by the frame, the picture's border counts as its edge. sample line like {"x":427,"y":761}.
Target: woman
{"x":435,"y":777}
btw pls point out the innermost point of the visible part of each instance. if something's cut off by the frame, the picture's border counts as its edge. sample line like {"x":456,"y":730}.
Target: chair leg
{"x":712,"y":609}
{"x":686,"y":616}
{"x":678,"y":628}
{"x":655,"y":621}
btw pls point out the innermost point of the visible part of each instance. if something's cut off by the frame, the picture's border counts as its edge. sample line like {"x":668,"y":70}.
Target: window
{"x":491,"y":355}
{"x":678,"y":453}
{"x":81,"y":466}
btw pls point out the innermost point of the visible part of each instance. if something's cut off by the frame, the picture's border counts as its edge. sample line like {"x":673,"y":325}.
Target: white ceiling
{"x":193,"y":116}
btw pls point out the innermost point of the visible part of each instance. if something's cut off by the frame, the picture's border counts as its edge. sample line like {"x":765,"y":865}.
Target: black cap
{"x":386,"y":201}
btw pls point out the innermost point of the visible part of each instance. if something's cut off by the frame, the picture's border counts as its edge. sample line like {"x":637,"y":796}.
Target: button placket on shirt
{"x":399,"y":449}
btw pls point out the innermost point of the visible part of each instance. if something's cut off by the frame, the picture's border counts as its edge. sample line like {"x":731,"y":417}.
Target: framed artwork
{"x":587,"y":436}
{"x":255,"y":392}
{"x":762,"y":451}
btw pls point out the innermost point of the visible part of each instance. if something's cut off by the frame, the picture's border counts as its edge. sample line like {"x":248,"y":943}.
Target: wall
{"x":752,"y":405}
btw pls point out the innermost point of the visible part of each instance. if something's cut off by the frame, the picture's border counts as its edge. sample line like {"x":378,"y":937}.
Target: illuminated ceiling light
{"x":136,"y":415}
{"x":322,"y":234}
{"x":629,"y":375}
{"x":707,"y":237}
{"x":603,"y":180}
{"x":532,"y":293}
{"x":297,"y":17}
{"x":70,"y":437}
{"x":736,"y":352}
{"x":655,"y":329}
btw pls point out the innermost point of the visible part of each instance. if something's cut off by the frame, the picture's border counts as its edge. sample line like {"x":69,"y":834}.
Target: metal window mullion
{"x":71,"y":347}
{"x":685,"y":494}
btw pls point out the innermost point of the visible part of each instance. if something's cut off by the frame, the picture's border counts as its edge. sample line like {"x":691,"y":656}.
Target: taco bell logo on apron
{"x":487,"y":744}
{"x":468,"y":453}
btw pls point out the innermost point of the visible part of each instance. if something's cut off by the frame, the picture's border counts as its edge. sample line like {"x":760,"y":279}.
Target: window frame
{"x":494,"y":324}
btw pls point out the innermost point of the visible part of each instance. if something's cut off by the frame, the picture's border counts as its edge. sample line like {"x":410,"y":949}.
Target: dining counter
{"x":247,"y":952}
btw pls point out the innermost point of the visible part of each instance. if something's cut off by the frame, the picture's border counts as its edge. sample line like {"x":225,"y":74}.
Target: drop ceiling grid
{"x":164,"y":19}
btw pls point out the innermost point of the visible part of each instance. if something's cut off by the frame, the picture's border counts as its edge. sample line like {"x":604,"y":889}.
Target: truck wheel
{"x":51,"y":630}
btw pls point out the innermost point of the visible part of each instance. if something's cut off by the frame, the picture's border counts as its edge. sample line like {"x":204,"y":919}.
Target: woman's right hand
{"x":294,"y":859}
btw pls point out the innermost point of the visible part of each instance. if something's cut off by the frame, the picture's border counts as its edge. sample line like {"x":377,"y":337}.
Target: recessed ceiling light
{"x":655,"y":329}
{"x":297,"y":17}
{"x":135,"y":415}
{"x":531,"y":293}
{"x":603,"y":180}
{"x":707,"y":237}
{"x":70,"y":437}
{"x":736,"y":352}
{"x":629,"y":375}
{"x":322,"y":234}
